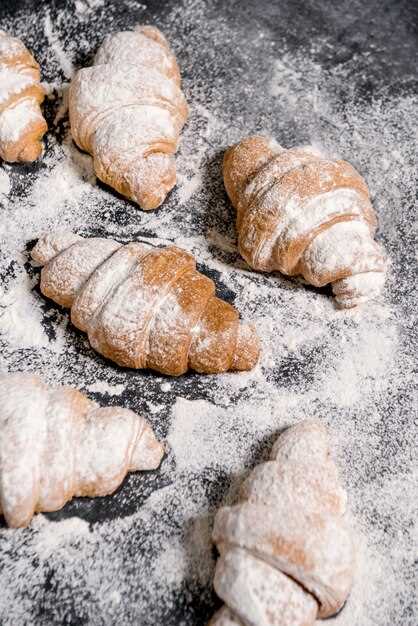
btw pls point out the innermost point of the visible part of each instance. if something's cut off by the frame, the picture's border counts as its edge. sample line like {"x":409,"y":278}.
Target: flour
{"x":103,"y":387}
{"x":52,"y":539}
{"x":5,"y":184}
{"x":13,"y":82}
{"x":198,"y":427}
{"x":145,"y":554}
{"x":188,"y":187}
{"x":21,"y":316}
{"x":62,"y":57}
{"x":86,"y":6}
{"x":15,"y":119}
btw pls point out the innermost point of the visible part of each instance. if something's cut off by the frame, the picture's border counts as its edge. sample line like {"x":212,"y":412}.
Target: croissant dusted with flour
{"x":56,"y":444}
{"x":22,"y":125}
{"x":143,"y":306}
{"x":303,"y":214}
{"x":286,"y":554}
{"x":127,"y":111}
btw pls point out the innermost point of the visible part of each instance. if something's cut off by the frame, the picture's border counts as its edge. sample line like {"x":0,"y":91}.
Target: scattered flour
{"x":56,"y":46}
{"x":204,"y":435}
{"x":51,"y":539}
{"x":5,"y":184}
{"x":102,"y":386}
{"x":145,"y":555}
{"x":188,"y":186}
{"x":85,"y":6}
{"x":21,"y":317}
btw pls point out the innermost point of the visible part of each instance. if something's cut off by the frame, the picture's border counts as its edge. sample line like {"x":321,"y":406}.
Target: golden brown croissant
{"x":127,"y":111}
{"x":22,"y":125}
{"x":56,"y":444}
{"x":286,"y":554}
{"x":143,"y":306}
{"x":303,"y":214}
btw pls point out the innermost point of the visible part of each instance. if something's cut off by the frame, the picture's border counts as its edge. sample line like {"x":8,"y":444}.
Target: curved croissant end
{"x":56,"y":444}
{"x":303,"y":214}
{"x":127,"y":111}
{"x":143,"y":306}
{"x":286,"y":553}
{"x":22,"y":125}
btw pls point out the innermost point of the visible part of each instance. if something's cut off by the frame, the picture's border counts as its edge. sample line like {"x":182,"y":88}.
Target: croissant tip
{"x":150,"y":203}
{"x":148,"y":452}
{"x":247,"y":350}
{"x":355,"y":290}
{"x":51,"y":244}
{"x":31,"y":152}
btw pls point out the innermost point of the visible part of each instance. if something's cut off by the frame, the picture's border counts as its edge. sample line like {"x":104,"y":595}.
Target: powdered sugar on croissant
{"x":22,"y":125}
{"x":286,"y":554}
{"x":56,"y":444}
{"x":303,"y":214}
{"x":127,"y":111}
{"x":143,"y":306}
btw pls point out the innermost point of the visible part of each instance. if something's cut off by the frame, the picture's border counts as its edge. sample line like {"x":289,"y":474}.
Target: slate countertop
{"x":375,"y":47}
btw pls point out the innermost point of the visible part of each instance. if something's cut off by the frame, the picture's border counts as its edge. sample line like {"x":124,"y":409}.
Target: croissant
{"x":22,"y":125}
{"x":303,"y":214}
{"x":55,"y":444}
{"x":286,"y":554}
{"x":143,"y":306}
{"x":127,"y":111}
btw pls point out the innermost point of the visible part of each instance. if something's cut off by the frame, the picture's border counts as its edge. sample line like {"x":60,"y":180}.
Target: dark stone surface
{"x":383,"y":35}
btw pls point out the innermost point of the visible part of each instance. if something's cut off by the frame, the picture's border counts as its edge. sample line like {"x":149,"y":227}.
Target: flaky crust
{"x":56,"y":444}
{"x":22,"y":125}
{"x":127,"y":111}
{"x":286,"y":553}
{"x":303,"y":214}
{"x":144,"y":307}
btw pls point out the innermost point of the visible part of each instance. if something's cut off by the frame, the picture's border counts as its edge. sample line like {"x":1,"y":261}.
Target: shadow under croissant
{"x":128,"y":498}
{"x":219,"y":213}
{"x":123,"y":213}
{"x":198,"y":575}
{"x":300,"y":369}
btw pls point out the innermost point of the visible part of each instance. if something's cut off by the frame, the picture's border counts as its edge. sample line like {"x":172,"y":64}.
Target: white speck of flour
{"x":102,"y":386}
{"x":21,"y":316}
{"x":4,"y":182}
{"x":53,"y":39}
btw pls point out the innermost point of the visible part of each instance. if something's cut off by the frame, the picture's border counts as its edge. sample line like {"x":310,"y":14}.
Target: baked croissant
{"x":286,"y":554}
{"x":22,"y":125}
{"x":127,"y":111}
{"x":56,"y":444}
{"x":143,"y":306}
{"x":302,"y":214}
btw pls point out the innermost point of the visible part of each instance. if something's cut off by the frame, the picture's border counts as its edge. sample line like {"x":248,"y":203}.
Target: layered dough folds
{"x":286,"y":553}
{"x":303,"y":214}
{"x":127,"y":111}
{"x":22,"y":125}
{"x":56,"y":444}
{"x":143,"y":306}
